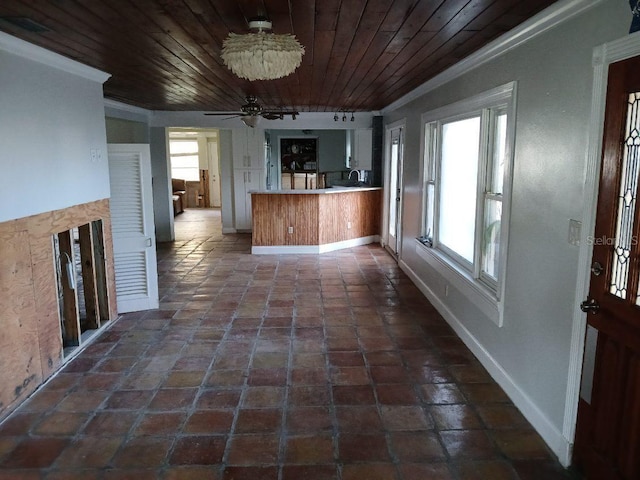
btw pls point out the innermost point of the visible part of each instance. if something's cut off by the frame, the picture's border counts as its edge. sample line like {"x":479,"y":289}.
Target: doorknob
{"x":590,"y":306}
{"x":597,"y":268}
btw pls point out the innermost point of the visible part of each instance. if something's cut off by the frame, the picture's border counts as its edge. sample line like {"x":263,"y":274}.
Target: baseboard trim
{"x":551,"y":434}
{"x":313,"y":249}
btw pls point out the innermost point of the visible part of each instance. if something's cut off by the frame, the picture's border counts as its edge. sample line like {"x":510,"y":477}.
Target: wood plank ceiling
{"x":361,"y":55}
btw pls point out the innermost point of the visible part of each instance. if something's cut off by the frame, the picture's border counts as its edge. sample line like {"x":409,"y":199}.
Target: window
{"x":467,"y":166}
{"x":184,"y":159}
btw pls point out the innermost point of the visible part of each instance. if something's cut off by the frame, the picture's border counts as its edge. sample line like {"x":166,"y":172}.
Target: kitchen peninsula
{"x":314,"y":220}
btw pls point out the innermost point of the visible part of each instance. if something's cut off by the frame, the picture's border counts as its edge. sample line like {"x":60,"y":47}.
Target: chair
{"x":179,"y":191}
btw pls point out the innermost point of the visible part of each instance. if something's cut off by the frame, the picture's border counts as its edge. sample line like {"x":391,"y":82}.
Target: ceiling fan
{"x":251,"y":112}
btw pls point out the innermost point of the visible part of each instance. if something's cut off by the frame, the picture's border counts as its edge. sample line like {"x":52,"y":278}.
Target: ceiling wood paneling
{"x":359,"y":54}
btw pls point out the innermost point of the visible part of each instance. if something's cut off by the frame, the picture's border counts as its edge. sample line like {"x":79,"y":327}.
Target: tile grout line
{"x":244,"y":389}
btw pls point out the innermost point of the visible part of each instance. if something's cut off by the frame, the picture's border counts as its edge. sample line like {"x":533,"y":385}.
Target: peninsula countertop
{"x":316,"y":191}
{"x":314,"y":220}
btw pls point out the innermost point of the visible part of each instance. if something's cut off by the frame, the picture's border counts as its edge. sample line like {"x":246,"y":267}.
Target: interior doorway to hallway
{"x":195,"y":159}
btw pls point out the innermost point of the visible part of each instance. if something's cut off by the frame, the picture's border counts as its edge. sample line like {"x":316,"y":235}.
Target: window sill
{"x":481,"y":296}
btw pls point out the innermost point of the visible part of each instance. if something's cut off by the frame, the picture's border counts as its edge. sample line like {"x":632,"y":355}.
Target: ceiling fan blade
{"x":225,"y":113}
{"x":281,"y":112}
{"x":278,"y":114}
{"x":272,"y":115}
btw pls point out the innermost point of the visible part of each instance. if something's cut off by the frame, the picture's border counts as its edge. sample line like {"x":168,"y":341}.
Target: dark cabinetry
{"x":299,"y":154}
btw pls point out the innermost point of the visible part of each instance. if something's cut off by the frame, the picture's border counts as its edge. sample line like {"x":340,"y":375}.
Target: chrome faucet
{"x":357,"y":173}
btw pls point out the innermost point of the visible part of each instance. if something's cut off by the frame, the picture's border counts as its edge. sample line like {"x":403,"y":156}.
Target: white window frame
{"x":483,"y":291}
{"x":185,"y":154}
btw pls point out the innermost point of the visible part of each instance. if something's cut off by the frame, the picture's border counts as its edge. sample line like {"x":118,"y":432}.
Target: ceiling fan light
{"x":250,"y":120}
{"x":262,"y":56}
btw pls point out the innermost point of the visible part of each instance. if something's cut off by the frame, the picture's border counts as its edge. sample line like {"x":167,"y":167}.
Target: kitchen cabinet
{"x":248,"y":146}
{"x":363,"y":149}
{"x":244,"y":181}
{"x":249,"y":171}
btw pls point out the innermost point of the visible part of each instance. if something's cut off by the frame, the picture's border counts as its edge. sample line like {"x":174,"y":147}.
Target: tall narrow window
{"x":467,"y":164}
{"x":490,"y":241}
{"x":459,"y":186}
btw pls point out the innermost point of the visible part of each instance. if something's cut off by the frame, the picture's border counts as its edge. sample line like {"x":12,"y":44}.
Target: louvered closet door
{"x":134,"y":243}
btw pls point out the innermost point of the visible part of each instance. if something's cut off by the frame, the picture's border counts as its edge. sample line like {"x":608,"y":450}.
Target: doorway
{"x":607,"y":443}
{"x":195,"y":163}
{"x":392,"y":234}
{"x":213,"y":153}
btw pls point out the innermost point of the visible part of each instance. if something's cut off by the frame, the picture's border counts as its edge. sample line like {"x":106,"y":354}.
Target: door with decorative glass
{"x":608,"y":429}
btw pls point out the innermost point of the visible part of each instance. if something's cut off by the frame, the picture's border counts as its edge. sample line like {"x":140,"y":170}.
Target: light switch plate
{"x":575,"y":232}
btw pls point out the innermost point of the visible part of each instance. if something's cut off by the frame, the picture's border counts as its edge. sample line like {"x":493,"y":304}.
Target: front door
{"x":132,"y":224}
{"x":608,"y":429}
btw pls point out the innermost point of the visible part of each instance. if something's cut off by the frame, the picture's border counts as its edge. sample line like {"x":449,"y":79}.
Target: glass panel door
{"x":395,"y":190}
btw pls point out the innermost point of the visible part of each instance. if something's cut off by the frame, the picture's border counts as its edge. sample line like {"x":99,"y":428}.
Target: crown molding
{"x":41,"y":55}
{"x":550,"y":17}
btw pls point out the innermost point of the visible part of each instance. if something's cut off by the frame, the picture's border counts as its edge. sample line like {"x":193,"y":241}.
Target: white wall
{"x":530,"y":353}
{"x":126,"y":131}
{"x":162,"y":190}
{"x":50,"y":120}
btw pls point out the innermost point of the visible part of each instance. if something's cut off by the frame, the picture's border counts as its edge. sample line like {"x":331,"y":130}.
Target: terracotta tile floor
{"x":277,"y":368}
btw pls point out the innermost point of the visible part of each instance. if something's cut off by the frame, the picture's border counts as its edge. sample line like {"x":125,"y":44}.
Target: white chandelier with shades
{"x":262,"y":55}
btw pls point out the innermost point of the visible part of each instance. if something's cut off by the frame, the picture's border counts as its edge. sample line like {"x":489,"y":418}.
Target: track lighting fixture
{"x":336,"y":117}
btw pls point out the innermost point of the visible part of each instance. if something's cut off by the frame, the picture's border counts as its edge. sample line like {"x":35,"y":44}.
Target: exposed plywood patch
{"x":46,"y":301}
{"x":19,"y":334}
{"x":30,"y":336}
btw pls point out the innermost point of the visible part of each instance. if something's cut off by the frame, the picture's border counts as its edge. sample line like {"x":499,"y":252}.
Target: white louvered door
{"x":134,"y":243}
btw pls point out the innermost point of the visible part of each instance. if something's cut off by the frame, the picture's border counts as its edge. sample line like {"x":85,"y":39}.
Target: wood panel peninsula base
{"x":314,"y":221}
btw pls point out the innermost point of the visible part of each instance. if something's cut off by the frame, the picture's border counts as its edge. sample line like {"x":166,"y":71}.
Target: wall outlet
{"x":348,"y":224}
{"x":290,"y":229}
{"x":95,"y":154}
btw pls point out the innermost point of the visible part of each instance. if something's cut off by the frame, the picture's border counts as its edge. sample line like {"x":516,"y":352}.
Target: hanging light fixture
{"x":262,"y":55}
{"x":250,"y":120}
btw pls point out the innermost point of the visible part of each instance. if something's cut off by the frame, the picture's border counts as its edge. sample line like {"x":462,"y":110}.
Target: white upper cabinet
{"x":363,"y":149}
{"x":248,"y":148}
